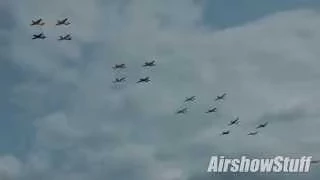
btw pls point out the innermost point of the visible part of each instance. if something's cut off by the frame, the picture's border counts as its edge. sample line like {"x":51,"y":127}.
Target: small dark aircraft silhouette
{"x":63,"y":22}
{"x":221,"y":97}
{"x":262,"y":125}
{"x":119,"y":66}
{"x":182,"y":111}
{"x":37,"y":22}
{"x":66,"y":37}
{"x":192,"y":98}
{"x":146,"y":79}
{"x":149,"y":64}
{"x":236,"y":121}
{"x":118,"y":80}
{"x":212,"y":110}
{"x":39,"y":36}
{"x":225,"y":132}
{"x":253,"y":133}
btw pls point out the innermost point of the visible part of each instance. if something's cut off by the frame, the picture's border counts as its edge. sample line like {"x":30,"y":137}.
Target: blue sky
{"x":61,"y":115}
{"x":229,"y":13}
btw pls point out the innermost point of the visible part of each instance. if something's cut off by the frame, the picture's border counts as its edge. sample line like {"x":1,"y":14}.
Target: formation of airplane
{"x":39,"y":22}
{"x":236,"y":121}
{"x":66,"y":37}
{"x":210,"y":110}
{"x":141,"y":80}
{"x":63,"y":22}
{"x":252,"y":133}
{"x":184,"y":110}
{"x":39,"y":36}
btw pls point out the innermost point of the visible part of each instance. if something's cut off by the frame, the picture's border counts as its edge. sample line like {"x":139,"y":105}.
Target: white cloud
{"x":10,"y":168}
{"x":87,"y":130}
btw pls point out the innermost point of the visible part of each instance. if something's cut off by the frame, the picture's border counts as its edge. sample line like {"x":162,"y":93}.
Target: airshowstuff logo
{"x":273,"y":165}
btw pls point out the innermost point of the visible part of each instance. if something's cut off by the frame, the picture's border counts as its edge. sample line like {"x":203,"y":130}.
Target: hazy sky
{"x":63,"y":119}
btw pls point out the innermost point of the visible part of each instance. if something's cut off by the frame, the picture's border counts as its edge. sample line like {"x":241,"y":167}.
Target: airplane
{"x":225,"y":132}
{"x":253,"y":133}
{"x":39,"y":36}
{"x":182,"y":111}
{"x":66,"y":37}
{"x":148,"y":64}
{"x":63,"y":22}
{"x":212,"y":110}
{"x":236,"y":121}
{"x":192,"y":98}
{"x":118,"y":80}
{"x":119,"y":66}
{"x":262,"y":125}
{"x":221,"y":97}
{"x":37,"y":22}
{"x":146,"y":79}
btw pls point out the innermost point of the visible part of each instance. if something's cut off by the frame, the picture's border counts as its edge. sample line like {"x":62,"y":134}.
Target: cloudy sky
{"x":63,"y":119}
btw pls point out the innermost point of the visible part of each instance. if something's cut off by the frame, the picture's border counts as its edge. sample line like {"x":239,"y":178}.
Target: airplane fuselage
{"x":119,"y":66}
{"x":39,"y":36}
